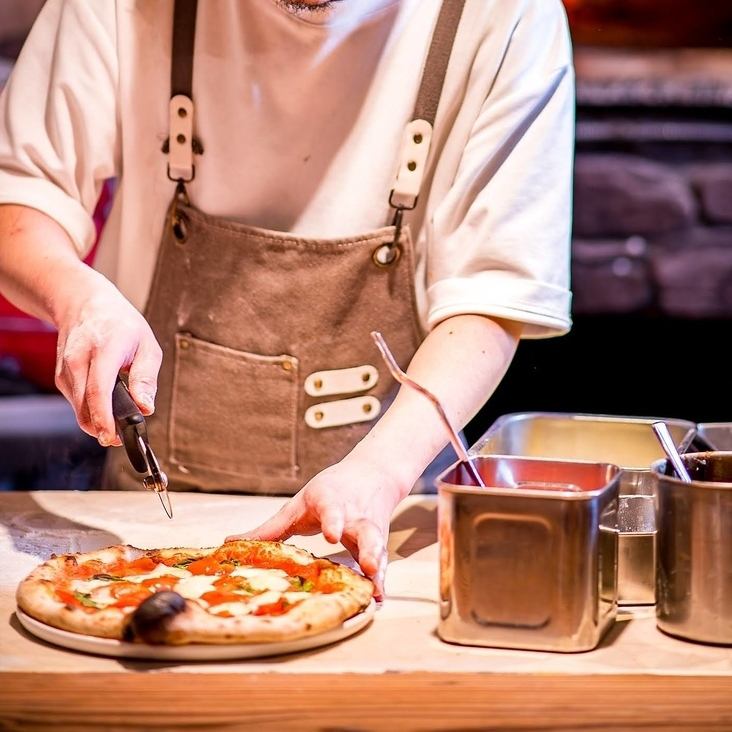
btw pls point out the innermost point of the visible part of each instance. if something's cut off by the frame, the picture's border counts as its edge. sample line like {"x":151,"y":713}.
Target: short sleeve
{"x":58,"y":116}
{"x":499,"y":242}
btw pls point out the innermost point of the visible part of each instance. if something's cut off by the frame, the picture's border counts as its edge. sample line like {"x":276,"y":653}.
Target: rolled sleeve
{"x":499,"y":242}
{"x":45,"y":196}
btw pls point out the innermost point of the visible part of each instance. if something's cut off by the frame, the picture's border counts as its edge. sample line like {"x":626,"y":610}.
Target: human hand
{"x":99,"y":334}
{"x":350,"y":502}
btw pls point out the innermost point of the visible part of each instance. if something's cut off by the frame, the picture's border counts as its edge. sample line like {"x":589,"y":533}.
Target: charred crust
{"x":150,"y":621}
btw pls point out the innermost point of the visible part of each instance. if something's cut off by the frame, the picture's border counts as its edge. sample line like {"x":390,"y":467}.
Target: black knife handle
{"x":124,"y":408}
{"x":130,"y":424}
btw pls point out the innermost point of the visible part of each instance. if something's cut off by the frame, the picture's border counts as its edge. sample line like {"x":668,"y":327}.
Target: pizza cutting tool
{"x":132,"y":430}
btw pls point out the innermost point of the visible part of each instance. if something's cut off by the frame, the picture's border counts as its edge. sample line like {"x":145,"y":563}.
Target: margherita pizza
{"x":240,"y":592}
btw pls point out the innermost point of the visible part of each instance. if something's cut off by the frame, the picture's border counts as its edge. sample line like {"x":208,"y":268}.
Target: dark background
{"x":623,"y":365}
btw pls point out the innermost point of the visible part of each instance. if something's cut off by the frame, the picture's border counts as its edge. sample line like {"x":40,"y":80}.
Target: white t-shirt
{"x":301,"y":117}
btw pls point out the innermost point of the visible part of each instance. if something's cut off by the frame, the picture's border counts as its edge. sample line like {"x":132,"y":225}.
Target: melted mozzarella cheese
{"x":264,"y":599}
{"x":294,"y":597}
{"x":235,"y":608}
{"x":102,"y":596}
{"x":249,"y":606}
{"x":292,"y":553}
{"x":278,"y":584}
{"x":99,"y":590}
{"x":196,"y":585}
{"x":86,"y":586}
{"x":263,"y":579}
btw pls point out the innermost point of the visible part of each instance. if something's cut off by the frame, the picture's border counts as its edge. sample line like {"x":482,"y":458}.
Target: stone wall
{"x":653,"y":203}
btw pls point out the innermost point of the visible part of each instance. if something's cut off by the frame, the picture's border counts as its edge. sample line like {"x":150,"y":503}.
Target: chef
{"x":290,"y":175}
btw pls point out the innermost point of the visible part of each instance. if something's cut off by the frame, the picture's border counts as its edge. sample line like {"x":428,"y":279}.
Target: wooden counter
{"x":396,"y":674}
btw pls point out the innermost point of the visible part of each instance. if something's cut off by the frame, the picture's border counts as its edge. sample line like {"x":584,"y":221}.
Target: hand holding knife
{"x":132,"y":430}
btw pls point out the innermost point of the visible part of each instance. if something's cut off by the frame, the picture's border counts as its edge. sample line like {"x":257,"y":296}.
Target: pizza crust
{"x":316,"y":613}
{"x":36,"y":594}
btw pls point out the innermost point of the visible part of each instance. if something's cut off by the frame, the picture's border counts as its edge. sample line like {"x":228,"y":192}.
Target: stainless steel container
{"x":529,"y":562}
{"x":694,"y":571}
{"x":715,"y":435}
{"x":625,"y":441}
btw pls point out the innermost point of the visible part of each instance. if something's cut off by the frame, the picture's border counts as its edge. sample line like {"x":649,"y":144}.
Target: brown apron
{"x":269,"y":372}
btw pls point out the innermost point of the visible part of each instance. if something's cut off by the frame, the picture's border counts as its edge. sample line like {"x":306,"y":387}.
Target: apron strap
{"x":181,"y":145}
{"x":435,"y":68}
{"x":418,"y":133}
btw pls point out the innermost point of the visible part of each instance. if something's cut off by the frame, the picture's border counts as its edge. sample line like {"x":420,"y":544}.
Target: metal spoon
{"x":667,"y":443}
{"x":402,"y":378}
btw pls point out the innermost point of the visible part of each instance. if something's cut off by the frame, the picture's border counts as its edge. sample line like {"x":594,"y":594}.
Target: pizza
{"x":241,"y":592}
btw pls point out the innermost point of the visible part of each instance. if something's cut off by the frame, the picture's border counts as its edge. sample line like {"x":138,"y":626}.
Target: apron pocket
{"x":232,"y":411}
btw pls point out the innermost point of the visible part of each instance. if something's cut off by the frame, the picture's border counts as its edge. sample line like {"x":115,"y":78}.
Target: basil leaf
{"x":110,"y":577}
{"x":184,"y":562}
{"x":85,"y":599}
{"x":301,"y":585}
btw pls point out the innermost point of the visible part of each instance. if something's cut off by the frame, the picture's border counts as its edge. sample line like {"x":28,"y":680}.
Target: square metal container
{"x":628,"y":442}
{"x":530,"y":562}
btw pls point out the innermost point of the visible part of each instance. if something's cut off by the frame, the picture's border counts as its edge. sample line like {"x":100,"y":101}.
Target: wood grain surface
{"x":417,"y":701}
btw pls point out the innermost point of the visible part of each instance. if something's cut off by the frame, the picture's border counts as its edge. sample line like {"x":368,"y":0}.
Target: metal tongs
{"x":132,"y":430}
{"x":402,"y":378}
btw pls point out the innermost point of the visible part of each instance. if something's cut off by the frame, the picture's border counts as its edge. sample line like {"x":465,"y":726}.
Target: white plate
{"x":193,"y":651}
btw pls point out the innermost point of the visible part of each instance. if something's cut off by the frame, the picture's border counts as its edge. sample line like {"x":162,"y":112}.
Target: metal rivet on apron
{"x":286,"y":365}
{"x":184,"y":344}
{"x":386,"y":254}
{"x":319,"y":416}
{"x":179,"y":224}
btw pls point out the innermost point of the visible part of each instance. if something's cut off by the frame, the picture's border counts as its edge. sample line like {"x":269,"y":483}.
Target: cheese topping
{"x":103,"y":596}
{"x":263,"y":579}
{"x":86,"y":586}
{"x":293,"y":597}
{"x":271,"y":584}
{"x":247,"y":608}
{"x":234,"y":608}
{"x":266,"y":598}
{"x":195,"y":586}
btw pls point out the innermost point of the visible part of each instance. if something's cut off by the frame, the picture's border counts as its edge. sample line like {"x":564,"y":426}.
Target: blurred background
{"x":651,"y":257}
